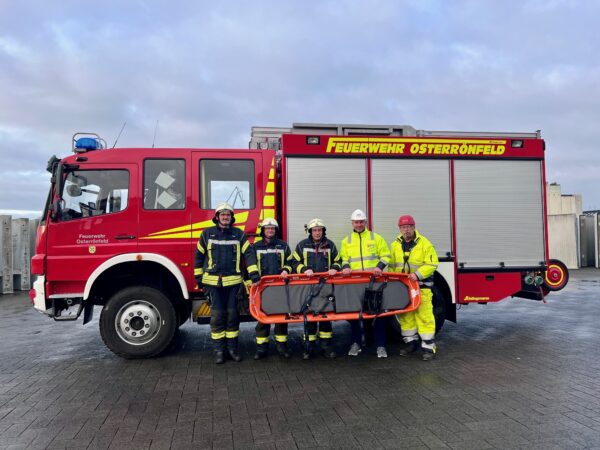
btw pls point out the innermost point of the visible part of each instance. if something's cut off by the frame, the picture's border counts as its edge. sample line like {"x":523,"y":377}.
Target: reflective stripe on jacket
{"x":364,"y":251}
{"x":418,"y":257}
{"x":218,"y":257}
{"x":272,"y":257}
{"x":320,"y":257}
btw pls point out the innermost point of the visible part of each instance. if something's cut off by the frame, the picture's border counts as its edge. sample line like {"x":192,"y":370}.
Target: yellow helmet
{"x":315,"y":223}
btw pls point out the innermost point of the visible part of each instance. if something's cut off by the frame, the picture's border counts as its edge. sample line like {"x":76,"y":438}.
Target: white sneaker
{"x":354,"y":350}
{"x":381,"y":353}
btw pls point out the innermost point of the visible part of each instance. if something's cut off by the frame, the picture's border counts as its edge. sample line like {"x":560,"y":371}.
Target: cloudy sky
{"x":208,"y":71}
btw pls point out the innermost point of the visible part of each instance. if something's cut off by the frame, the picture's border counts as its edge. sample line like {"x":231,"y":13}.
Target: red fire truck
{"x":120,"y":225}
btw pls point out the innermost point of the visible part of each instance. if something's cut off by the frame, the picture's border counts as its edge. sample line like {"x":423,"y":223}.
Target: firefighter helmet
{"x":406,"y":220}
{"x":358,"y":215}
{"x":315,"y":223}
{"x":224,"y":206}
{"x":269,"y":222}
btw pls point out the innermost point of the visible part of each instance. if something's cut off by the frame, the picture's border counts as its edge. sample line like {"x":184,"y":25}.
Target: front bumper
{"x":38,"y":296}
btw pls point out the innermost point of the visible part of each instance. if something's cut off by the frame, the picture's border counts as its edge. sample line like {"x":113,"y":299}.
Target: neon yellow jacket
{"x":364,"y":251}
{"x":418,"y":257}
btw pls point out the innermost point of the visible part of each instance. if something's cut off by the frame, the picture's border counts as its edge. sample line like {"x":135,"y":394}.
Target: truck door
{"x":98,"y":220}
{"x":165,"y":220}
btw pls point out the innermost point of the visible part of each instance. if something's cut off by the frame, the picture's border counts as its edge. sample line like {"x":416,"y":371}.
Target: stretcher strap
{"x":309,"y":298}
{"x":287,"y":295}
{"x":330,"y":299}
{"x":373,"y":298}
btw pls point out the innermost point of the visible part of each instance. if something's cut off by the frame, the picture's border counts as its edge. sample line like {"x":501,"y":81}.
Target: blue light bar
{"x":88,"y":143}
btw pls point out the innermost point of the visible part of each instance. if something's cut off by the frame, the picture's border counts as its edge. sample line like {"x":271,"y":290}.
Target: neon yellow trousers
{"x":420,"y":322}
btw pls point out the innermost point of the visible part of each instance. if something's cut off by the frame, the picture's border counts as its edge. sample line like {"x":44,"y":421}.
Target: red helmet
{"x":406,"y":220}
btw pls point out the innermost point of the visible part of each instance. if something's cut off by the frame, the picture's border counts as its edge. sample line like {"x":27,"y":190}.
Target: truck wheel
{"x":439,"y":309}
{"x":138,"y":322}
{"x":557,"y":276}
{"x":439,"y":313}
{"x":184,"y":309}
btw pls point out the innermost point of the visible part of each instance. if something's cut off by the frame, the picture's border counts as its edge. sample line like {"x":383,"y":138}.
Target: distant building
{"x":589,"y":244}
{"x":572,"y":233}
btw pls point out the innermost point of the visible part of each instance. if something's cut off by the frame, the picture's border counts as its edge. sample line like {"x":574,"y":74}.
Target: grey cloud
{"x":209,"y":71}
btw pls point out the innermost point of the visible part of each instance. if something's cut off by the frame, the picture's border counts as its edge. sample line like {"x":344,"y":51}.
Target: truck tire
{"x":184,"y":310}
{"x":439,"y":309}
{"x":138,"y":322}
{"x":439,"y":312}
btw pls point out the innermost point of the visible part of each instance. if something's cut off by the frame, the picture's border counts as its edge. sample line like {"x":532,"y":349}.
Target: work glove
{"x":255,"y":277}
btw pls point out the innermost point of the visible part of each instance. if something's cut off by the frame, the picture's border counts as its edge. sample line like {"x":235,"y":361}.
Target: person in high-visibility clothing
{"x":314,"y":254}
{"x":218,"y":268}
{"x":365,"y":250}
{"x":272,"y":255}
{"x":413,"y":253}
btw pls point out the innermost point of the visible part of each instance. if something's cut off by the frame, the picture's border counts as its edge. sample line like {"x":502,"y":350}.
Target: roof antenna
{"x":119,"y":135}
{"x":155,"y":128}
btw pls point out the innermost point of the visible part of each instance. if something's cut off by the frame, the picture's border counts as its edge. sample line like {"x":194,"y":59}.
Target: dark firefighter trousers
{"x":325,"y":332}
{"x":263,"y":330}
{"x":224,"y":315}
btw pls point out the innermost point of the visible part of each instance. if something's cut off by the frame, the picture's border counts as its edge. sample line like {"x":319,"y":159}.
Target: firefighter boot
{"x":283,"y":351}
{"x":219,"y":351}
{"x":409,"y":348}
{"x":427,"y":356}
{"x":308,"y":350}
{"x":232,"y":347}
{"x":262,"y":350}
{"x":327,"y":349}
{"x":428,"y":348}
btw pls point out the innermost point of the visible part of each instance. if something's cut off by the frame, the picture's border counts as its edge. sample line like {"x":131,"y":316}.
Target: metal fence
{"x":17,"y":243}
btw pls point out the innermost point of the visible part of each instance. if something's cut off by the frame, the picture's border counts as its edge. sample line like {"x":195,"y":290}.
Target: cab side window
{"x":227,"y":180}
{"x":89,"y":193}
{"x":164,"y":184}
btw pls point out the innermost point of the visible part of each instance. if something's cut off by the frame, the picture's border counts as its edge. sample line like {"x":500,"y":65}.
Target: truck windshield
{"x":88,"y":193}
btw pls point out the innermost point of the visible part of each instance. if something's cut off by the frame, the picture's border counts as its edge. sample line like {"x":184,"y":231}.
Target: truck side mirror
{"x":74,"y":190}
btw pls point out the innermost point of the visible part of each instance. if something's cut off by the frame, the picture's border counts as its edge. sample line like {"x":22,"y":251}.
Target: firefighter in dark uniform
{"x":317,"y":254}
{"x":218,"y":268}
{"x":272,"y":255}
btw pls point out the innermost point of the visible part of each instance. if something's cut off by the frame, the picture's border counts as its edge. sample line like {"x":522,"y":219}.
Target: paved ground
{"x":518,"y":374}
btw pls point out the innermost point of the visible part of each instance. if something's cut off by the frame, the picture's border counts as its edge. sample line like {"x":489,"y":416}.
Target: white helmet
{"x":269,"y":222}
{"x":224,"y":207}
{"x":358,"y":215}
{"x":315,"y":223}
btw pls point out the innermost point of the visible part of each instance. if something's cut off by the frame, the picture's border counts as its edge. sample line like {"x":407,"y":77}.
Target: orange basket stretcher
{"x":322,"y":297}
